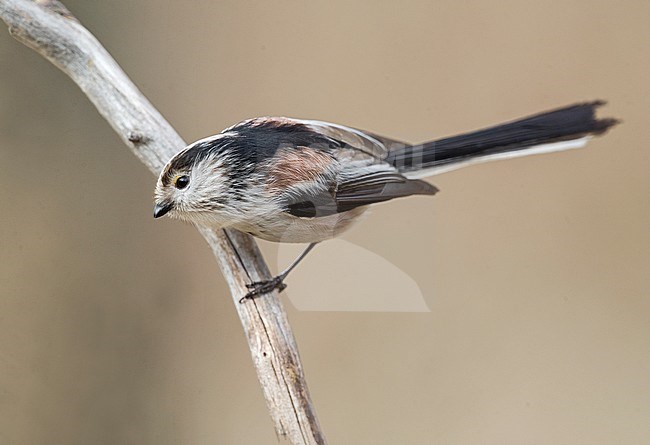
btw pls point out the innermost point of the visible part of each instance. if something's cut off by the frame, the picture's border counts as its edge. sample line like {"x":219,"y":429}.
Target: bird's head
{"x":194,"y":185}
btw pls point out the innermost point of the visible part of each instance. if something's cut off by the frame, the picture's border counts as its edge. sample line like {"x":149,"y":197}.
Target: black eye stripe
{"x":182,"y":182}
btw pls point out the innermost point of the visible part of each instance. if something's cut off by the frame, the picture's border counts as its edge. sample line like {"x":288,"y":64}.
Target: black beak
{"x":161,"y":208}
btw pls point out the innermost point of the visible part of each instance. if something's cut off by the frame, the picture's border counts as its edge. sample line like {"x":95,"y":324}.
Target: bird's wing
{"x":373,"y":187}
{"x":320,"y":169}
{"x":352,"y":188}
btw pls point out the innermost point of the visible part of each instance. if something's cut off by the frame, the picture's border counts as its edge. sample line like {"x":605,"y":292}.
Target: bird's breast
{"x":286,"y":228}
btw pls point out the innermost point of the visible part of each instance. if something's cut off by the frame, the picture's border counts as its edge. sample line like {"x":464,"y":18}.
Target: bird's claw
{"x":258,"y":288}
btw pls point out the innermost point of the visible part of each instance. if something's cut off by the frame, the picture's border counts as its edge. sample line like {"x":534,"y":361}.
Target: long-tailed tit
{"x":304,"y":181}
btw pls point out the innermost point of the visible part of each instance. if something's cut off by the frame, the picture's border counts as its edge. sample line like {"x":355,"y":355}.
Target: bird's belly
{"x":292,"y":229}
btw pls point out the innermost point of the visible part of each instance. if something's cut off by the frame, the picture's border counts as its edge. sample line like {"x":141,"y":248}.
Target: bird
{"x":305,"y":181}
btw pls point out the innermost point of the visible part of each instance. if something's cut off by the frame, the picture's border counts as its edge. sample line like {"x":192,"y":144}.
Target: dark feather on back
{"x":250,"y":143}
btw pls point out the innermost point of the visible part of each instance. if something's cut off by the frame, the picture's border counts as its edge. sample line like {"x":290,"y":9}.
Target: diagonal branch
{"x":51,"y":30}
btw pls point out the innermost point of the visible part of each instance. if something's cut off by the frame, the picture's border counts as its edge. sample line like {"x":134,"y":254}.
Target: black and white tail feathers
{"x":561,"y":129}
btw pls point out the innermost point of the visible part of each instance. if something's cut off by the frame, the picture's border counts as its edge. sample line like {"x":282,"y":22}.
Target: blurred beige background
{"x":117,"y":329}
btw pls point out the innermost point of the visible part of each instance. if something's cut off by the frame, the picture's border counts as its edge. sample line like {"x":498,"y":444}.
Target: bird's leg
{"x":258,"y":288}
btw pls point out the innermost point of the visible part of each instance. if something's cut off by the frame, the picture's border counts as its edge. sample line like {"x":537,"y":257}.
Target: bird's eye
{"x":182,"y":182}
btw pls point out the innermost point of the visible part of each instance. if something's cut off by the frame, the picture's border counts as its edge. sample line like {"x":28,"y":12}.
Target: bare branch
{"x":50,"y":29}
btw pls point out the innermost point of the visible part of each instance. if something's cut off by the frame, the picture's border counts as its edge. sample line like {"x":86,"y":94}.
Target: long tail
{"x":561,"y":129}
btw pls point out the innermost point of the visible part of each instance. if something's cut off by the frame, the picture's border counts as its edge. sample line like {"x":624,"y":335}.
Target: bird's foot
{"x":258,"y":288}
